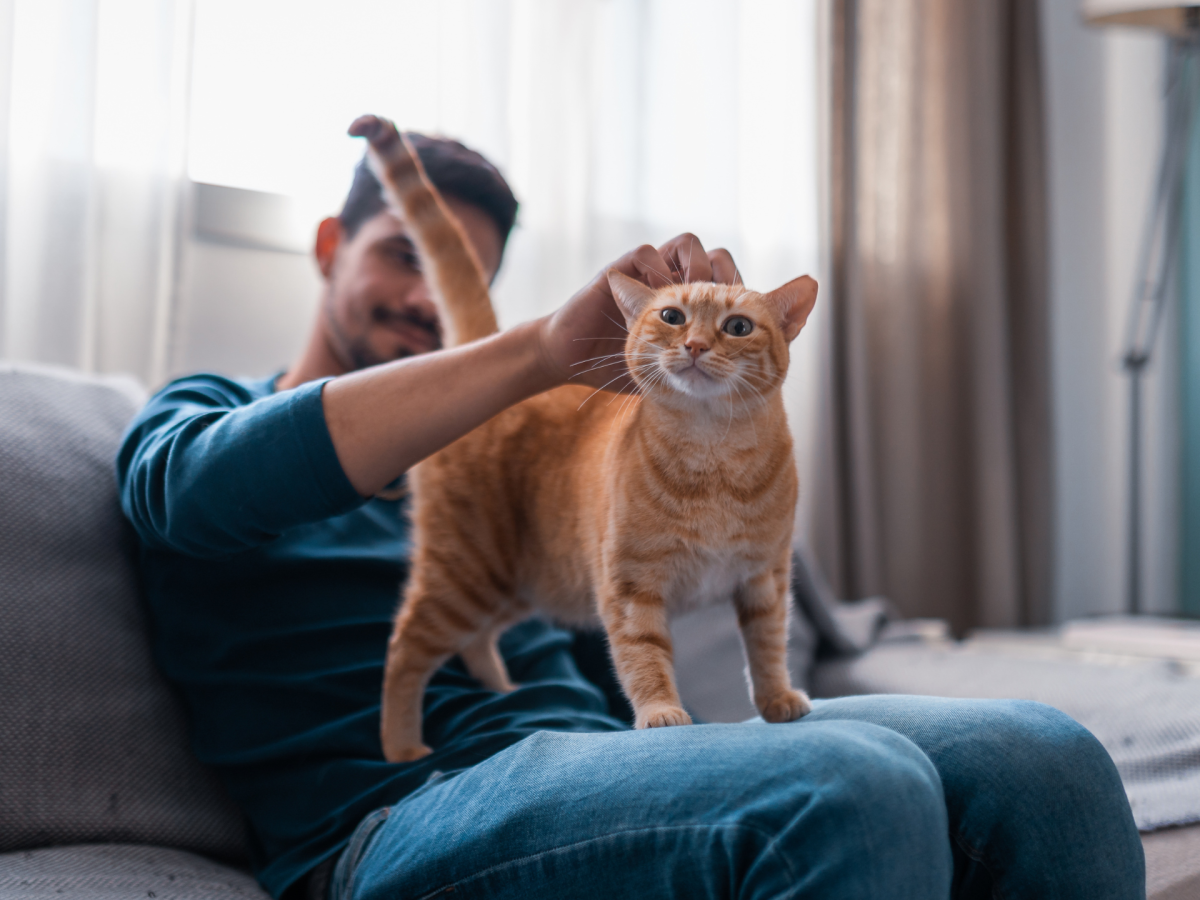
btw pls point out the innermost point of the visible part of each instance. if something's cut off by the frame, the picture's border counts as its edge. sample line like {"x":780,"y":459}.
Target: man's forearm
{"x":385,"y":419}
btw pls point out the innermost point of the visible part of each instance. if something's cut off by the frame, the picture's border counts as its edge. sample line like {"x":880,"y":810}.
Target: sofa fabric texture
{"x":121,"y":872}
{"x":94,"y":746}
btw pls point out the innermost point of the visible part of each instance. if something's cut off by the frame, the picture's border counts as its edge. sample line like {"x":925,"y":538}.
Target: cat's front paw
{"x":661,"y":717}
{"x":786,"y":706}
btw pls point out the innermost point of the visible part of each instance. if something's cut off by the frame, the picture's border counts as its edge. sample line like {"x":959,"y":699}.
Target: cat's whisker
{"x":678,"y":271}
{"x":618,"y":324}
{"x":619,"y":361}
{"x":729,"y":424}
{"x":592,"y":359}
{"x":598,"y":390}
{"x":752,"y":425}
{"x":766,"y":382}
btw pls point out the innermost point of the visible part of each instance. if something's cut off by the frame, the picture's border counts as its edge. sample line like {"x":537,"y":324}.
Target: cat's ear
{"x":632,"y":296}
{"x":792,"y":303}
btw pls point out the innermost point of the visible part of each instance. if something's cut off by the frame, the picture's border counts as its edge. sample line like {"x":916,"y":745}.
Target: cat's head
{"x":706,"y":340}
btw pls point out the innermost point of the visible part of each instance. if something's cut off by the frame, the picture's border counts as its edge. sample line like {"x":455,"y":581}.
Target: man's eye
{"x":738,"y":326}
{"x":672,"y":316}
{"x":406,"y":257}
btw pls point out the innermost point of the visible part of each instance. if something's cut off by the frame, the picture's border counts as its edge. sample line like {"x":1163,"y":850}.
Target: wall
{"x":248,"y":284}
{"x":1104,"y":116}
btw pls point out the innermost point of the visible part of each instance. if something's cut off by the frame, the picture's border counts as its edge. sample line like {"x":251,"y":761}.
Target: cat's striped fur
{"x":629,"y":509}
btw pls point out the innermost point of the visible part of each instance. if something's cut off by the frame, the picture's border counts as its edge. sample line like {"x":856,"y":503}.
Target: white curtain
{"x":92,"y":139}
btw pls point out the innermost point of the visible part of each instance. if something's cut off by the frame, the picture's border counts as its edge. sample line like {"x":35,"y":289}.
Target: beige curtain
{"x":934,"y":475}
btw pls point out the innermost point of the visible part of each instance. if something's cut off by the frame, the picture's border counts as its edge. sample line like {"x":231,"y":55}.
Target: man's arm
{"x":385,"y":419}
{"x":205,"y":471}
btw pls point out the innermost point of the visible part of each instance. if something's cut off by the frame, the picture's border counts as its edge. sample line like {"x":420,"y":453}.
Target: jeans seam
{"x":355,"y":852}
{"x":657,"y":828}
{"x":978,"y":856}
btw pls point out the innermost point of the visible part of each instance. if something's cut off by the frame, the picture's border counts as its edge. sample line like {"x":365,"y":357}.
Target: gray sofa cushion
{"x":120,"y":872}
{"x":93,"y":746}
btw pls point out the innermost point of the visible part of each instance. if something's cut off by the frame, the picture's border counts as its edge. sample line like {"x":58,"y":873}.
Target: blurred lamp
{"x":1160,"y":239}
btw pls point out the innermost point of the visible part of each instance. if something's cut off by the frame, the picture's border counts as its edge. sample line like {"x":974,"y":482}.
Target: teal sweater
{"x":271,"y":586}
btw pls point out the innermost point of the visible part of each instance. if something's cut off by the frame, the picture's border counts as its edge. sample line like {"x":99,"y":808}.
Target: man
{"x":273,"y":558}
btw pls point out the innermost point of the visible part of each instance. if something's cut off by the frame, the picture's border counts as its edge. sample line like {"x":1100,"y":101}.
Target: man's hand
{"x":584,"y":341}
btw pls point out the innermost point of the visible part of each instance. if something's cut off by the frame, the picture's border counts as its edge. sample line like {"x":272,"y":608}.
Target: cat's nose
{"x":696,"y":346}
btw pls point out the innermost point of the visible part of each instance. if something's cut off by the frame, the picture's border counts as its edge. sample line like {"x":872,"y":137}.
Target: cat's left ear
{"x":632,"y":296}
{"x":792,"y":304}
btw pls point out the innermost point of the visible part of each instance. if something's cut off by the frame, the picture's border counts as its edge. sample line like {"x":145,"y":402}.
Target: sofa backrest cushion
{"x":93,"y":744}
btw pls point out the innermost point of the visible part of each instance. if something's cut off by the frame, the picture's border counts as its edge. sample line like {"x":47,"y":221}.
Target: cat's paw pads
{"x":405,"y":753}
{"x":786,"y":706}
{"x":662,"y":717}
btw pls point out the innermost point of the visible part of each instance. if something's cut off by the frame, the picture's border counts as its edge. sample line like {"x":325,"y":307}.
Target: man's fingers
{"x":724,"y":269}
{"x":687,"y":257}
{"x":646,"y":265}
{"x":680,"y":259}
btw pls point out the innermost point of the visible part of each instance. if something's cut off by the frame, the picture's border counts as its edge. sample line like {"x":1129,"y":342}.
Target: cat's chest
{"x":702,"y":579}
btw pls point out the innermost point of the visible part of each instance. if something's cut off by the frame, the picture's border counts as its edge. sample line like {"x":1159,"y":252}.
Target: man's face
{"x":377,"y":306}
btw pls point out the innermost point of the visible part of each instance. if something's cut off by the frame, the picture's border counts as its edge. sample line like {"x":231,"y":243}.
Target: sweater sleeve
{"x":207,"y":468}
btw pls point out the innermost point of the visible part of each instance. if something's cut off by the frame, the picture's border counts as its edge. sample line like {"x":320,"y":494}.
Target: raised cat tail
{"x":456,"y":278}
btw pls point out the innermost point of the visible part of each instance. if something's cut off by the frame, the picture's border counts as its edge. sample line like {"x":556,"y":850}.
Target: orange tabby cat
{"x":679,"y":496}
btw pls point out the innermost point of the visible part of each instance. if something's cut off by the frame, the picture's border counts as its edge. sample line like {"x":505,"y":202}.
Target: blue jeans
{"x":903,"y":798}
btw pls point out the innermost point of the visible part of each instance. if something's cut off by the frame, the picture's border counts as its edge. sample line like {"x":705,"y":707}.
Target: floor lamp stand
{"x":1160,"y":244}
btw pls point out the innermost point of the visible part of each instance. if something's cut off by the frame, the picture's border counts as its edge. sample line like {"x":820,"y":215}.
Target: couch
{"x":100,"y":796}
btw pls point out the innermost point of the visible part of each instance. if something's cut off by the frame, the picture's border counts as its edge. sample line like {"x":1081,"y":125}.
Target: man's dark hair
{"x":455,"y":171}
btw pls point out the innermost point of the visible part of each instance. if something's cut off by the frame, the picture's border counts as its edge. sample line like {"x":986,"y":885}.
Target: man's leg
{"x":1035,"y":803}
{"x":835,"y":810}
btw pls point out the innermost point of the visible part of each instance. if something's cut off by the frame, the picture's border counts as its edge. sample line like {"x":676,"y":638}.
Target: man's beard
{"x":356,"y":353}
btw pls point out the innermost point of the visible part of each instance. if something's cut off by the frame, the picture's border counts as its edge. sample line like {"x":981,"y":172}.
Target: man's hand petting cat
{"x":584,"y":341}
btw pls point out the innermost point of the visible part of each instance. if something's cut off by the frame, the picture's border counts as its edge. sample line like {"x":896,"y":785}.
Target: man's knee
{"x":1040,"y":740}
{"x":878,"y":815}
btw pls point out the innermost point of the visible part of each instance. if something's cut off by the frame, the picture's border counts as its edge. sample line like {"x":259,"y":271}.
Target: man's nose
{"x":696,"y":346}
{"x":421,"y":299}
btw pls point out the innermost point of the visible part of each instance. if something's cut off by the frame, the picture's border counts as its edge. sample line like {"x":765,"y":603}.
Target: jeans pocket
{"x":341,"y":886}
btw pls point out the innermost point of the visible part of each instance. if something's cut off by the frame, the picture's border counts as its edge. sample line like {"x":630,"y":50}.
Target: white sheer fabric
{"x":92,"y":138}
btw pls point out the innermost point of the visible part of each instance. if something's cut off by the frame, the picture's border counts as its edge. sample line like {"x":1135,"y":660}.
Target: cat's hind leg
{"x":482,"y":659}
{"x":762,"y":612}
{"x":440,"y":616}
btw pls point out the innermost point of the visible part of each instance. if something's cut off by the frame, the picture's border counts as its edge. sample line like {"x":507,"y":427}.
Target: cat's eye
{"x":738,"y":326}
{"x":672,"y":316}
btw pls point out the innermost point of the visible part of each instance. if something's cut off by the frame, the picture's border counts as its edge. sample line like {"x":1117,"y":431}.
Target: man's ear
{"x":632,"y":296}
{"x":792,"y":303}
{"x":329,"y":238}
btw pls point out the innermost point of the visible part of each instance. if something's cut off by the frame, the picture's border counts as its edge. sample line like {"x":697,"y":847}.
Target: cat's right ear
{"x":792,"y":304}
{"x":632,"y":296}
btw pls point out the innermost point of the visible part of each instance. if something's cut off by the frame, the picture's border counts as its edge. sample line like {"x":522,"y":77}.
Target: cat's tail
{"x":456,"y":277}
